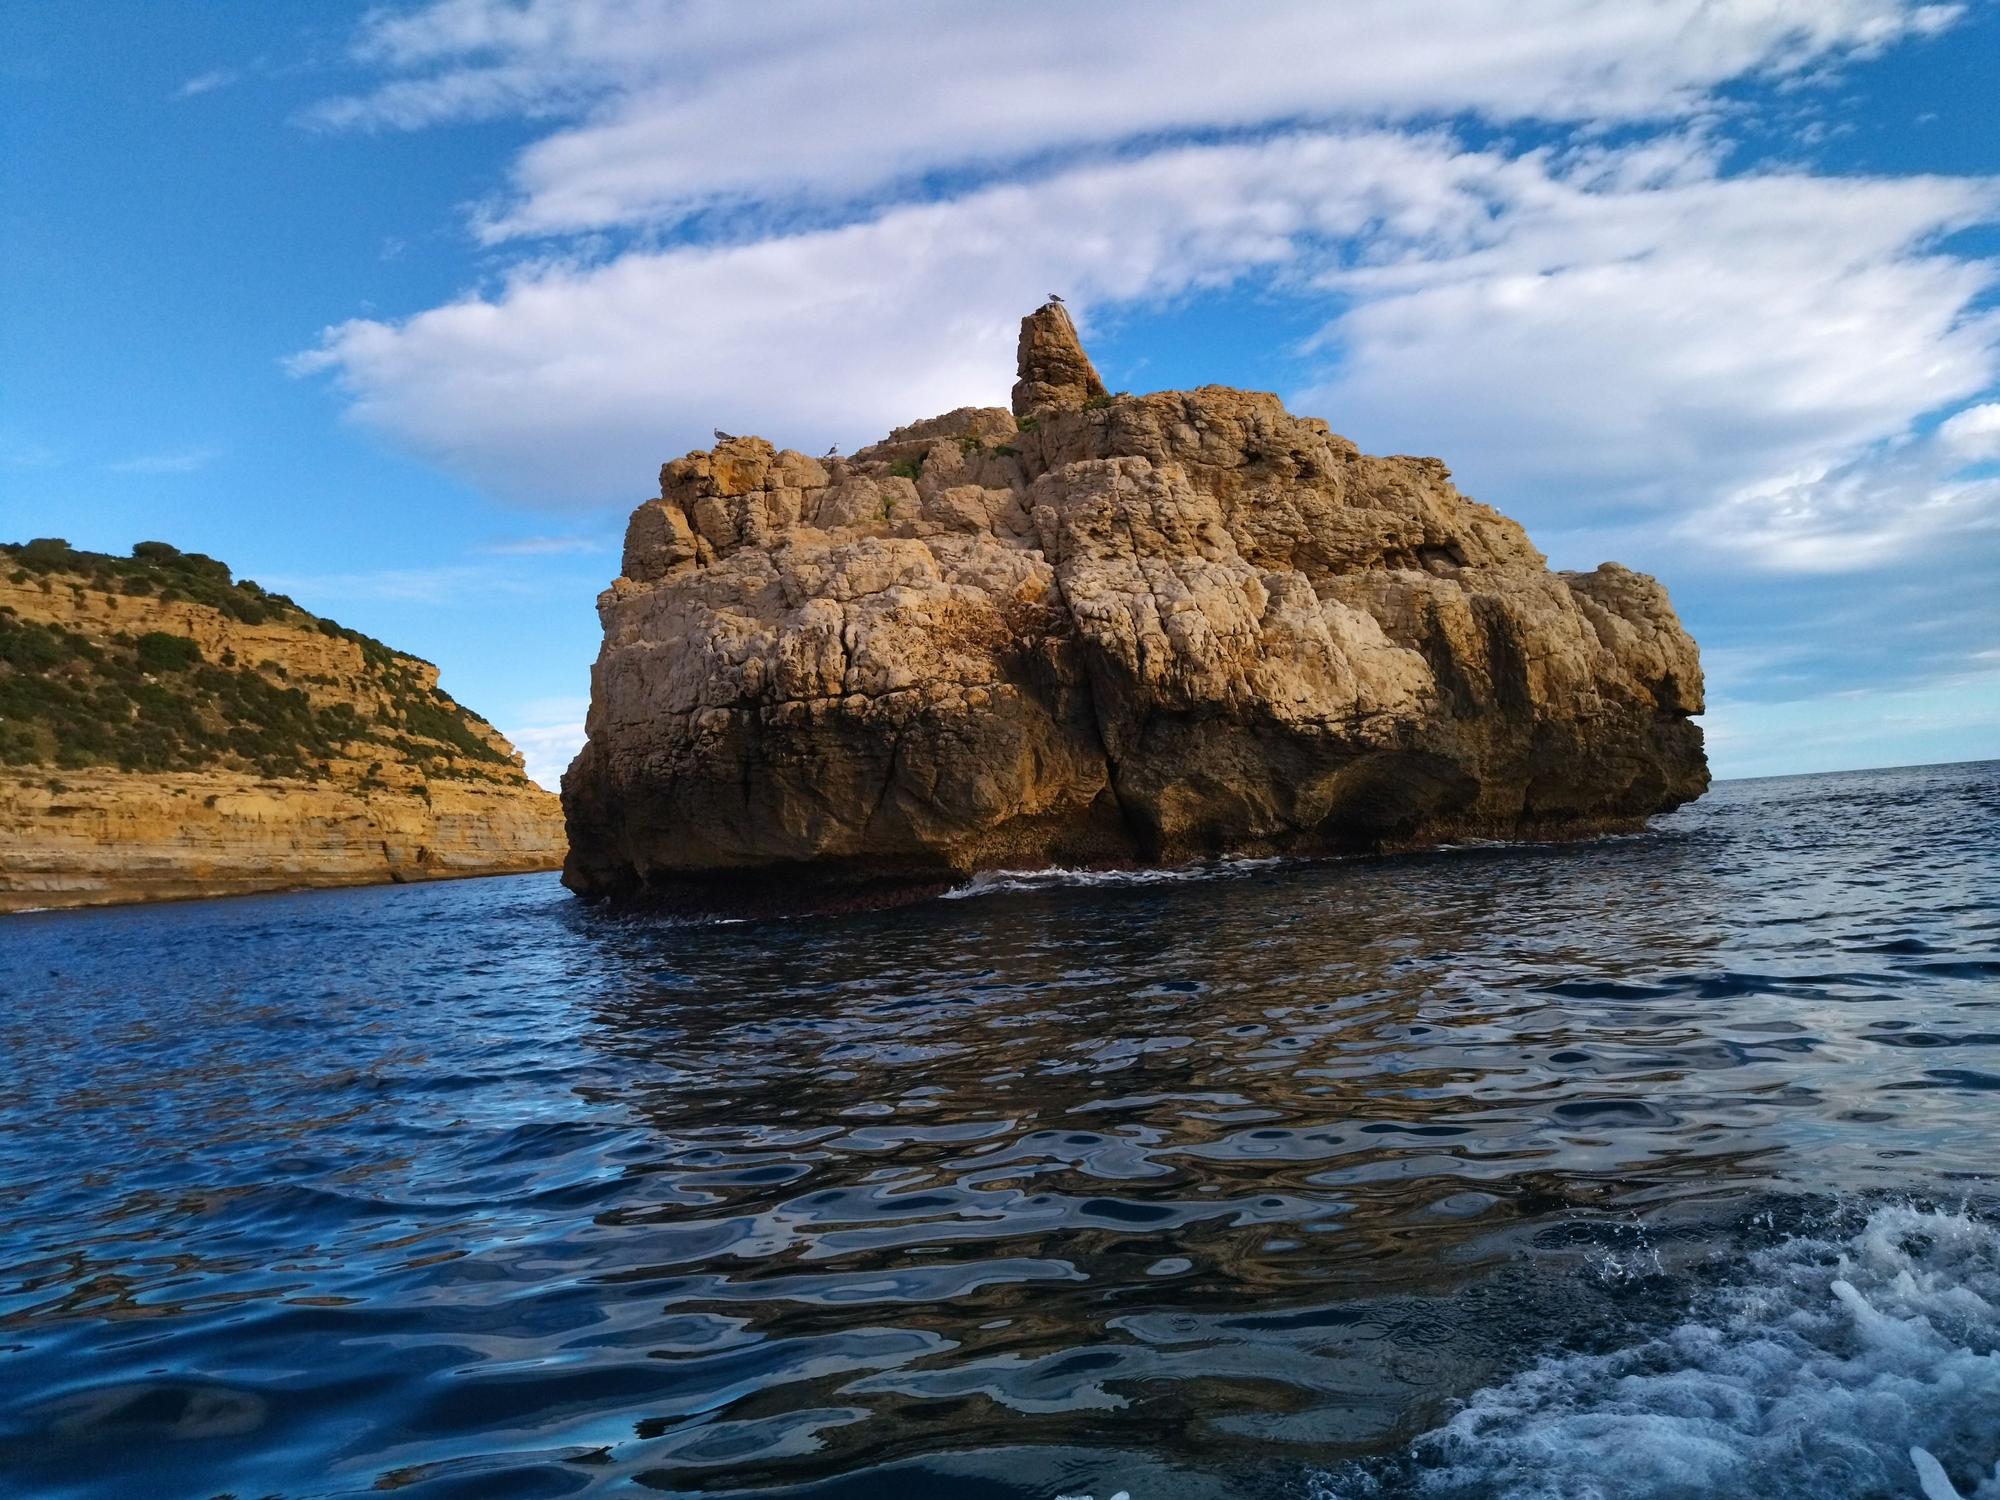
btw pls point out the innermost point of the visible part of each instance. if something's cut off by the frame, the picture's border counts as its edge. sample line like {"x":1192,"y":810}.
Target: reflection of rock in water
{"x":1309,"y":1108}
{"x":1094,"y":1188}
{"x":1098,"y":629}
{"x":169,"y":1411}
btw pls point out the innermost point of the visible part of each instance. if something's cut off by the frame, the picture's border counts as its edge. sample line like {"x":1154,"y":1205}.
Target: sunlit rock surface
{"x":1099,"y":629}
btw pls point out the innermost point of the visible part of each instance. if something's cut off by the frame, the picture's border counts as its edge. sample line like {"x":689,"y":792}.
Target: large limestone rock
{"x":1099,"y":629}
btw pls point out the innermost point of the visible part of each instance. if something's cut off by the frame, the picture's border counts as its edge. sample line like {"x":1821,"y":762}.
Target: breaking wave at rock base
{"x":993,"y":882}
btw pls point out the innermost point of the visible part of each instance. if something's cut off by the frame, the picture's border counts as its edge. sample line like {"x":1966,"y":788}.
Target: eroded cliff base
{"x":1098,"y":630}
{"x":103,"y":838}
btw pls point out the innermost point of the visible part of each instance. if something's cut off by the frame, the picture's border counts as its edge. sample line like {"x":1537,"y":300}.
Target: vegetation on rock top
{"x":162,"y":570}
{"x":151,"y":702}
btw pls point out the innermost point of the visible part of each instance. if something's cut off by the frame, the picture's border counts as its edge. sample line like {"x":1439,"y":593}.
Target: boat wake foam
{"x":1864,"y":1364}
{"x":993,"y":882}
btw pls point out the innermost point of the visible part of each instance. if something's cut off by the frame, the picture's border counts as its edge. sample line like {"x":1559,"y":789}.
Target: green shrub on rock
{"x":152,"y":702}
{"x":45,"y":554}
{"x":160,"y":652}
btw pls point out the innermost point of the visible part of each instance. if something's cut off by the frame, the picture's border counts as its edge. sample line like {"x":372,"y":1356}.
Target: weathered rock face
{"x":1054,"y":370}
{"x":103,"y":837}
{"x":1099,"y":630}
{"x":156,"y":745}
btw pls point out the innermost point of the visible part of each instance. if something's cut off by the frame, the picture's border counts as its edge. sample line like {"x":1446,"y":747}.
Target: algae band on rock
{"x":1099,"y":630}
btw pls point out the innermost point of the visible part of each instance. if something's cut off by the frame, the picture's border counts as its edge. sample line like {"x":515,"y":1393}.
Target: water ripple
{"x":1196,"y":1184}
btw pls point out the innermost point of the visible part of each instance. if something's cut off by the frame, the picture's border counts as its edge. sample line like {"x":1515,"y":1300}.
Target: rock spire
{"x":1051,"y":369}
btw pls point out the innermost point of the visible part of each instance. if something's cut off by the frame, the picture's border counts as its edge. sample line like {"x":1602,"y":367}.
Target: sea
{"x":1651,"y":1166}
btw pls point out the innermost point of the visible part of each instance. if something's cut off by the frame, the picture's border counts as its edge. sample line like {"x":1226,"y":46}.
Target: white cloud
{"x":547,"y":546}
{"x":1749,"y":353}
{"x":173,"y":461}
{"x":684,"y":106}
{"x":1591,"y":337}
{"x":549,"y":748}
{"x":1875,"y":510}
{"x":1954,"y":716}
{"x":1973,"y":435}
{"x":446,"y":583}
{"x":575,"y":381}
{"x":21,"y":454}
{"x":205,"y":83}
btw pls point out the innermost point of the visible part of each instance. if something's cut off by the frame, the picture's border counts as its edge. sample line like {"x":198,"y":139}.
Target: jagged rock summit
{"x":1098,"y":630}
{"x":1054,"y":370}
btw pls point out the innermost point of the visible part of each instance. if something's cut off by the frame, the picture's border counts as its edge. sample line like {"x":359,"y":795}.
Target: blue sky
{"x":400,"y":308}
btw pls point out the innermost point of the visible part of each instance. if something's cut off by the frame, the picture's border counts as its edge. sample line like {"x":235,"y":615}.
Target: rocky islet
{"x":1098,"y":629}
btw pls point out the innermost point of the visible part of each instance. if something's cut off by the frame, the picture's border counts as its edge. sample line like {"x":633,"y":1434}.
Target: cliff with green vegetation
{"x":169,"y":730}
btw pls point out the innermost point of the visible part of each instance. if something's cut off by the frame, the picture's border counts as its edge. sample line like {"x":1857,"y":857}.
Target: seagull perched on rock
{"x":833,"y":451}
{"x":1056,"y":297}
{"x":724,"y":437}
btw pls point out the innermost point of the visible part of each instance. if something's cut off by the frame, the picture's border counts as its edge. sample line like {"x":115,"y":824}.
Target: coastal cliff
{"x":167,"y":731}
{"x":1099,"y":629}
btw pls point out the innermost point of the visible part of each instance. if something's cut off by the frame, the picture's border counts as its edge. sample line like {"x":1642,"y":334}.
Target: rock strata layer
{"x":1099,"y":630}
{"x":97,"y":838}
{"x":156,"y":745}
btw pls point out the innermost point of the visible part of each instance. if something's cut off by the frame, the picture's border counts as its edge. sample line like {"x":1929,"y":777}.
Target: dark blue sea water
{"x":1654,"y":1166}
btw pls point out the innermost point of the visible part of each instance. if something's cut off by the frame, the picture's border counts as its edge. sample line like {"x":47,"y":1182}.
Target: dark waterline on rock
{"x":1662,"y":1163}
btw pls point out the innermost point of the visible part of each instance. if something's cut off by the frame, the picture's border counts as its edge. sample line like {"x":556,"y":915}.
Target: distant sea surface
{"x":1652,"y":1166}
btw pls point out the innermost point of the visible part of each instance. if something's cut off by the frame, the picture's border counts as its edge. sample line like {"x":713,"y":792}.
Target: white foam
{"x":1931,"y":1477}
{"x":1868,"y":1365}
{"x":994,"y":881}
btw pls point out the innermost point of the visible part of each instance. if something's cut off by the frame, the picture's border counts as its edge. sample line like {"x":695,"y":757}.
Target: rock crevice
{"x":1099,"y":629}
